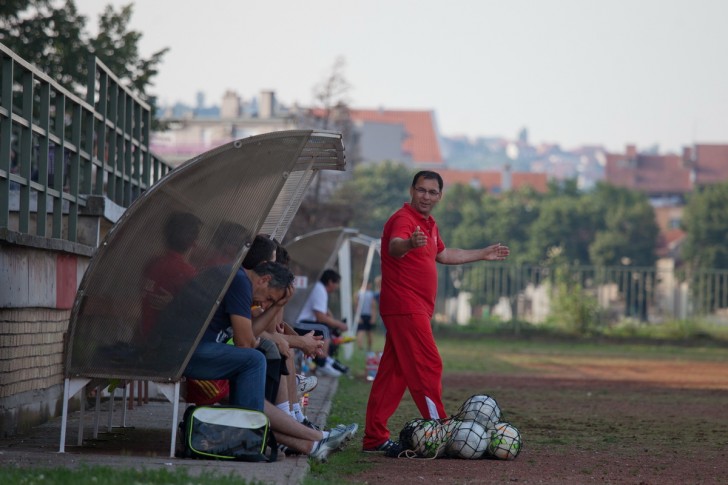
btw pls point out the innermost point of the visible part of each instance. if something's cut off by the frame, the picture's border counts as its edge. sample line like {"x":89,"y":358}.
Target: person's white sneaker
{"x":328,"y":370}
{"x":338,"y":437}
{"x":306,"y":383}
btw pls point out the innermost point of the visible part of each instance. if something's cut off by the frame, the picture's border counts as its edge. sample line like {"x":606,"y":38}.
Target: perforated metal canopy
{"x":311,"y":254}
{"x":155,"y":281}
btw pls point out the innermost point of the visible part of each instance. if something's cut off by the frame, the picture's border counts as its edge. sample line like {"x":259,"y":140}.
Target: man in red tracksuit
{"x":411,"y":245}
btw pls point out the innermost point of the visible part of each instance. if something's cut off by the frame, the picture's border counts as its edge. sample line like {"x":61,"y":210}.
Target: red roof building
{"x":655,"y":175}
{"x":711,"y":163}
{"x":495,"y":182}
{"x":668,"y":175}
{"x":421,"y":142}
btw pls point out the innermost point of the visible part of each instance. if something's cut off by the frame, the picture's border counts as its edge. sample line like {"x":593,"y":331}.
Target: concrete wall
{"x":31,"y":366}
{"x":38,"y":282}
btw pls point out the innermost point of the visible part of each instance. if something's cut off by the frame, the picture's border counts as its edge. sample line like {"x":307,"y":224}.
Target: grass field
{"x":587,"y":410}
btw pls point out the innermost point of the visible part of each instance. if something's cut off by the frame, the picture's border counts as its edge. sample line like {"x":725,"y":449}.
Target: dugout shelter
{"x":233,"y":192}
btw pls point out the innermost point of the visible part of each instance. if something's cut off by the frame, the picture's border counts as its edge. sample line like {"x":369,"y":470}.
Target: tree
{"x":374,"y":193}
{"x":629,"y":234}
{"x":508,"y":219}
{"x":331,"y":94}
{"x":566,"y":222}
{"x":117,"y":47}
{"x":456,"y":202}
{"x":705,"y":221}
{"x":330,"y":112}
{"x":52,"y":37}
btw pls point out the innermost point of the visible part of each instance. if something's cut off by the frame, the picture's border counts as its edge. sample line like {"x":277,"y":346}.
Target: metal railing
{"x":531,"y":293}
{"x":56,"y":148}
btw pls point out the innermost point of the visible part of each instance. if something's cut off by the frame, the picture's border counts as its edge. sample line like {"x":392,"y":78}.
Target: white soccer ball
{"x":505,"y":442}
{"x":428,"y":439}
{"x":481,"y":408}
{"x":469,"y":440}
{"x":419,"y":441}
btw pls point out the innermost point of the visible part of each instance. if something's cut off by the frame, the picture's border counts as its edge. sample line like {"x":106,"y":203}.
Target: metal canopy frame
{"x":311,"y":254}
{"x":314,"y":252}
{"x":216,"y":203}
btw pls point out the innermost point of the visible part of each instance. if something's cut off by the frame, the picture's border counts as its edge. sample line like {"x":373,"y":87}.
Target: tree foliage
{"x":566,"y":222}
{"x":608,"y":226}
{"x":706,"y":222}
{"x":374,"y":193}
{"x":52,"y":36}
{"x":320,"y":207}
{"x":628,"y":229}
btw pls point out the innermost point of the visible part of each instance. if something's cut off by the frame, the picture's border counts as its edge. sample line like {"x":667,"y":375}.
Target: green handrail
{"x":57,"y":148}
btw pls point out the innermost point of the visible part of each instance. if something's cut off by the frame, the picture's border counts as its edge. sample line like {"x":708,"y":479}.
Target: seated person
{"x":240,"y":363}
{"x":315,"y":315}
{"x":244,"y":366}
{"x":211,"y":391}
{"x":278,"y":342}
{"x":164,"y":276}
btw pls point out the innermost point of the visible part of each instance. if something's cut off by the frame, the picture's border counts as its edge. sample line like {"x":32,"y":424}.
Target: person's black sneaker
{"x":288,"y":451}
{"x":390,"y":448}
{"x":340,"y":367}
{"x":311,"y":425}
{"x":291,"y":452}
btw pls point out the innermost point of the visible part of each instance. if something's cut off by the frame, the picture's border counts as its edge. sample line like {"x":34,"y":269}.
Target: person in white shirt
{"x":315,"y":315}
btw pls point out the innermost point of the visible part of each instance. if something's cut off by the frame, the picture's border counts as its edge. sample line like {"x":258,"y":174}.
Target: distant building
{"x":585,"y":164}
{"x":190,"y":133}
{"x":405,"y":136}
{"x":668,"y":218}
{"x":668,"y":177}
{"x":419,"y":143}
{"x":495,"y":182}
{"x":666,"y":180}
{"x":658,"y":176}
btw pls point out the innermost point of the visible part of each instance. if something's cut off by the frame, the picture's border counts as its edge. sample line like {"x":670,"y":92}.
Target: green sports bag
{"x":226,"y":433}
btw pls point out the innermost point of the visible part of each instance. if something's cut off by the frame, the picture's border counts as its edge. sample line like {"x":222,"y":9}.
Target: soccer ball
{"x":481,"y":408}
{"x":426,"y":437}
{"x":505,"y":442}
{"x":469,"y":440}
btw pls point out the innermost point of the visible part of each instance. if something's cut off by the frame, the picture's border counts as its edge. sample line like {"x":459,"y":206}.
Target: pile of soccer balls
{"x":476,"y":431}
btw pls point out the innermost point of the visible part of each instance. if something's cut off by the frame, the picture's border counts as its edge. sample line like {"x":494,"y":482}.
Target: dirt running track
{"x":615,"y":421}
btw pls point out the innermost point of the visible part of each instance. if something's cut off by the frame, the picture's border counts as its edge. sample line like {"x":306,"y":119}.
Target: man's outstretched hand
{"x":496,"y":252}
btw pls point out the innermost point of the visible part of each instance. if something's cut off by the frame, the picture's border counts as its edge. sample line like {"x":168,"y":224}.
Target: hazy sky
{"x":573,"y":72}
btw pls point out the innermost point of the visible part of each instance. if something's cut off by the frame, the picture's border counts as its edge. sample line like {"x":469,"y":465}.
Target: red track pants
{"x":410,"y":361}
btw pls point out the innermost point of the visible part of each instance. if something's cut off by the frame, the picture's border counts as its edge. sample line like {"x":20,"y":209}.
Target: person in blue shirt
{"x":269,"y":284}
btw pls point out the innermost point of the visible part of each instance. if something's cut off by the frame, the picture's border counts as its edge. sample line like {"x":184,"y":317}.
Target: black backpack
{"x":226,"y":433}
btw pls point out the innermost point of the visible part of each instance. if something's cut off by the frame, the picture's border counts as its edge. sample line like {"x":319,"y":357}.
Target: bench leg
{"x":70,"y":388}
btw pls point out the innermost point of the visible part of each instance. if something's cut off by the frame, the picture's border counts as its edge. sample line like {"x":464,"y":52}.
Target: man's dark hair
{"x":282,"y":256}
{"x":181,"y":231}
{"x":281,"y":277}
{"x":261,"y":250}
{"x":330,"y":276}
{"x":428,"y":175}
